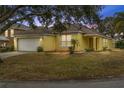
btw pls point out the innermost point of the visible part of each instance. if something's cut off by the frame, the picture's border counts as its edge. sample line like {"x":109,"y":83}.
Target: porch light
{"x":40,"y":39}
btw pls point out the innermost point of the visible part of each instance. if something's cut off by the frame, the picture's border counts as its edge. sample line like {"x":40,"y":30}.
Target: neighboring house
{"x":3,"y":41}
{"x":50,"y":41}
{"x":9,"y":33}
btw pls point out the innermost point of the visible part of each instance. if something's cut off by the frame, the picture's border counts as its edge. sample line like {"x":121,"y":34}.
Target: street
{"x":105,"y":83}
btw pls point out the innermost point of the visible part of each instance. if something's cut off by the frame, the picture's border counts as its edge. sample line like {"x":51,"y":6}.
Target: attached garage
{"x":28,"y":44}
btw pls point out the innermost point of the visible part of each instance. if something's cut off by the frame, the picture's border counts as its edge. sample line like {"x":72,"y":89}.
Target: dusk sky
{"x":110,"y":10}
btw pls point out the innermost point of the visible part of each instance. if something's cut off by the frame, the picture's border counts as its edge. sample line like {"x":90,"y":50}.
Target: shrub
{"x":39,"y":49}
{"x":71,"y":50}
{"x":1,"y":61}
{"x":89,"y":50}
{"x":11,"y":48}
{"x":4,"y":49}
{"x":120,"y":44}
{"x":105,"y":48}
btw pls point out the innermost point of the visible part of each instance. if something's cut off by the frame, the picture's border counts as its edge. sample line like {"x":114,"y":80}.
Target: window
{"x":6,"y":33}
{"x":105,"y":42}
{"x":11,"y":33}
{"x":66,"y":40}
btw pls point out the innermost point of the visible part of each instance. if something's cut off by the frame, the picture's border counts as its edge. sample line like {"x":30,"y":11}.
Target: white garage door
{"x":28,"y":44}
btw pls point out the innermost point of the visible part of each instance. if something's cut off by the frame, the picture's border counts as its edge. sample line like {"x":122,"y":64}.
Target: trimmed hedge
{"x":89,"y":50}
{"x":71,"y":50}
{"x":7,"y":49}
{"x":120,"y":44}
{"x":39,"y":49}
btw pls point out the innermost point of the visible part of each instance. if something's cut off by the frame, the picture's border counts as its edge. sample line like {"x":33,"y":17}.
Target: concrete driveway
{"x":109,"y":83}
{"x":10,"y":54}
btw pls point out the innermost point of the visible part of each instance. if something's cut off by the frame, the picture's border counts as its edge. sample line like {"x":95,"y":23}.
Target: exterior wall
{"x":15,"y":44}
{"x":10,"y":35}
{"x":100,"y":44}
{"x":97,"y":44}
{"x":111,"y":44}
{"x":48,"y":43}
{"x":53,"y":43}
{"x":77,"y":37}
{"x":85,"y":42}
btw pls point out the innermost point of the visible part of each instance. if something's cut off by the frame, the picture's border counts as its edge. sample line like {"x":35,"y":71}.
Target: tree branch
{"x":10,"y":14}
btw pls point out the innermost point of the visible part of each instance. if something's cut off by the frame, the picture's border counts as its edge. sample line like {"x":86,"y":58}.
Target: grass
{"x":38,"y":66}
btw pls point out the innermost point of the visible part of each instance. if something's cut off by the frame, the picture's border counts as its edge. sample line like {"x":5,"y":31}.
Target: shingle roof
{"x":33,"y":32}
{"x":3,"y":38}
{"x":20,"y":26}
{"x":71,"y":29}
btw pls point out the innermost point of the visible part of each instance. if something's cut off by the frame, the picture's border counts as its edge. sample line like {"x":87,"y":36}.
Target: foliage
{"x":11,"y":48}
{"x":119,"y":22}
{"x":7,"y":49}
{"x":89,"y":50}
{"x":73,"y":43}
{"x":47,"y":15}
{"x":39,"y":49}
{"x":107,"y":26}
{"x":119,"y":44}
{"x":111,"y":25}
{"x":105,"y":48}
{"x":71,"y":50}
{"x":4,"y":49}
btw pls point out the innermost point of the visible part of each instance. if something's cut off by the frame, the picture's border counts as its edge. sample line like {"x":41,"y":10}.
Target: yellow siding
{"x":79,"y":38}
{"x":15,"y":44}
{"x":85,"y":42}
{"x":49,"y":43}
{"x":100,"y":44}
{"x":74,"y":36}
{"x":53,"y":43}
{"x":110,"y":44}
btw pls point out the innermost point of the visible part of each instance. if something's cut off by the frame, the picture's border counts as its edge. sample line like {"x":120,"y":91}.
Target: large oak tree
{"x":47,"y":15}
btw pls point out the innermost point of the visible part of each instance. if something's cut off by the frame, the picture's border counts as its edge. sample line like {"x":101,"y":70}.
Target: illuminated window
{"x":105,"y":41}
{"x":66,"y":40}
{"x":12,"y":33}
{"x":6,"y":33}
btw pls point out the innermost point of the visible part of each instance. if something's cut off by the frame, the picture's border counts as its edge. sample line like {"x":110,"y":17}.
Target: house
{"x":49,"y":40}
{"x":3,"y":41}
{"x":9,"y":34}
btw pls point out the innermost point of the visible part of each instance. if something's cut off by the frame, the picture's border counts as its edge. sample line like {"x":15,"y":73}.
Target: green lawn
{"x":39,"y":66}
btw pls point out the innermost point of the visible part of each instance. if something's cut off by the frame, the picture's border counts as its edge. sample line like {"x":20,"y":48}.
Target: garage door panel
{"x":28,"y":44}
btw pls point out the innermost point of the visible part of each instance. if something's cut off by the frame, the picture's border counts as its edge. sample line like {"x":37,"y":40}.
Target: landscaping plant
{"x":72,"y":48}
{"x":39,"y":49}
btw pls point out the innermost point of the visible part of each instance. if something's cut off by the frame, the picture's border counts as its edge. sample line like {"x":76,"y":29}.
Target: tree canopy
{"x":47,"y":15}
{"x":107,"y":26}
{"x":119,"y":22}
{"x":113,"y":24}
